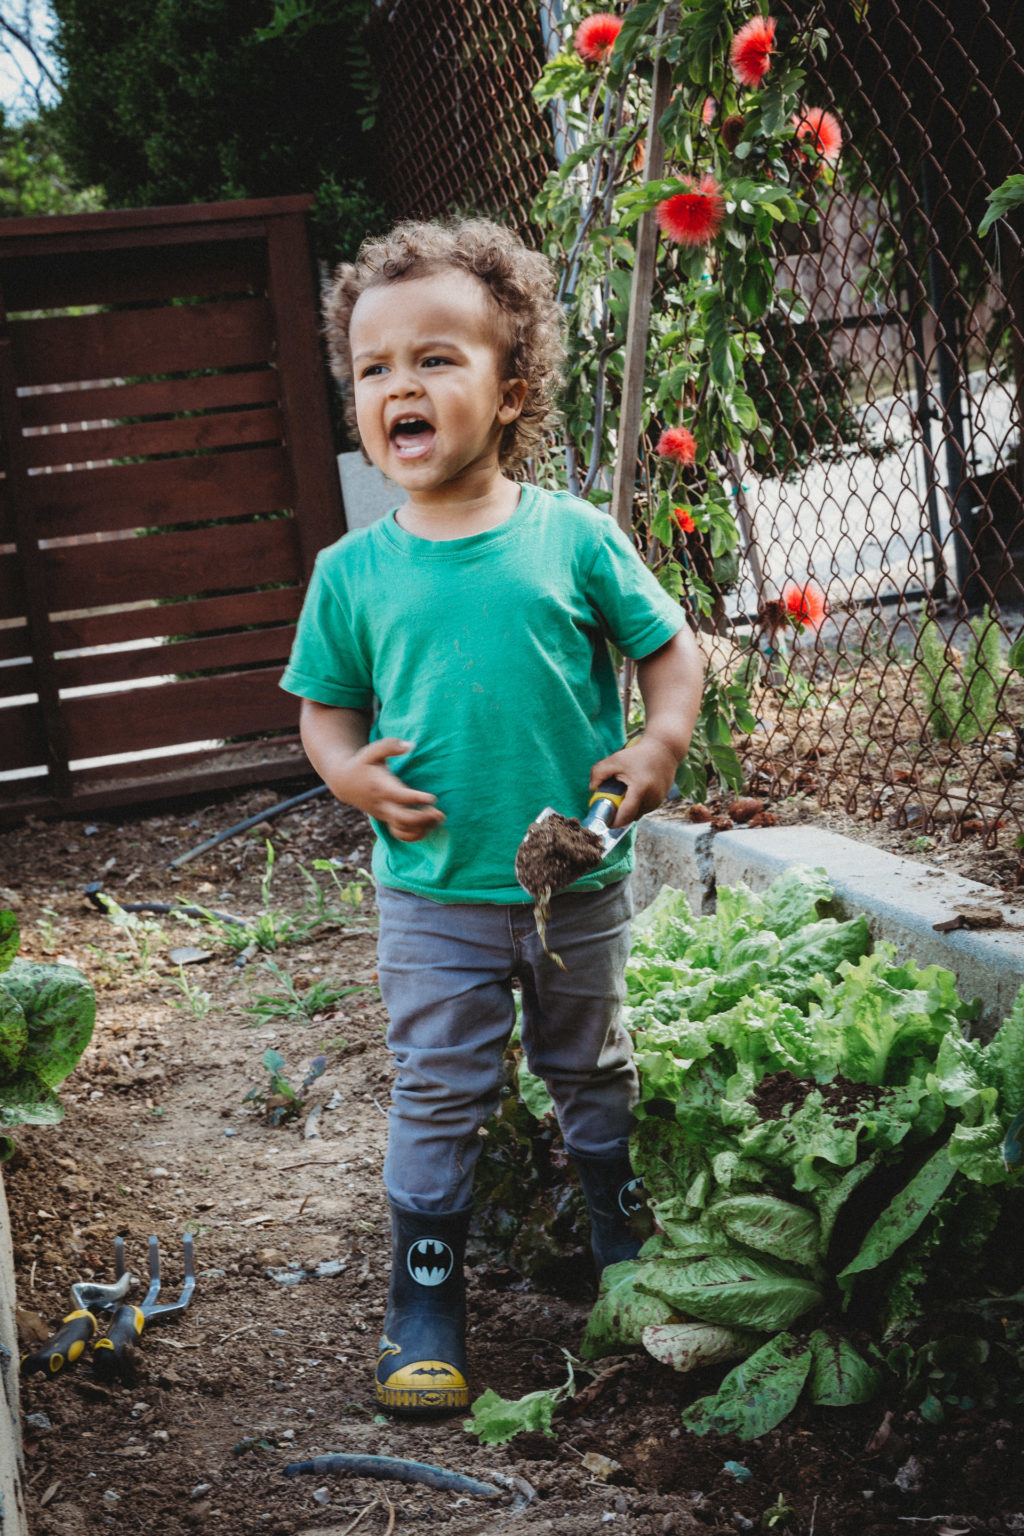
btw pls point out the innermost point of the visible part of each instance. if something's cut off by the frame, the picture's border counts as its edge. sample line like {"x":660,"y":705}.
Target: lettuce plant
{"x":47,"y":1013}
{"x":813,"y":1121}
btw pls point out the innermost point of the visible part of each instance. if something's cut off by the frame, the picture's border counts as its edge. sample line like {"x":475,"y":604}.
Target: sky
{"x":20,"y":78}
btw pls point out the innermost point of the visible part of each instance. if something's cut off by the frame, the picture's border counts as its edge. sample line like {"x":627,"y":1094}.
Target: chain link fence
{"x":892,"y":472}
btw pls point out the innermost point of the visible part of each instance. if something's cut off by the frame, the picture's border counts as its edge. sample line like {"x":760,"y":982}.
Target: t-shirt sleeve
{"x":327,"y":663}
{"x":637,"y":614}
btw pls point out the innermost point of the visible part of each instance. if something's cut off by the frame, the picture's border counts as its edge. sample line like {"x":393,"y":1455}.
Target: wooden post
{"x":631,"y":413}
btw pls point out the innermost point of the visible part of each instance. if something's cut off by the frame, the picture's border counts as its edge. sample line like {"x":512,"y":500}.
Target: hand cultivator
{"x":113,"y":1354}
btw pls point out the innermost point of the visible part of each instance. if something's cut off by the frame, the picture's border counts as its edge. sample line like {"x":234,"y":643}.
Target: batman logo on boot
{"x":632,"y":1197}
{"x":430,"y":1261}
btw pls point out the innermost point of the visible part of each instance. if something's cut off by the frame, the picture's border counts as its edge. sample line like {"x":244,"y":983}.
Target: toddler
{"x":453,"y":661}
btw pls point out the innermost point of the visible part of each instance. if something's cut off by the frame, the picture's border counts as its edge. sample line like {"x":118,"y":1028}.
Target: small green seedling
{"x":143,"y":936}
{"x":295,"y":1003}
{"x":193,"y":997}
{"x":278,"y":1099}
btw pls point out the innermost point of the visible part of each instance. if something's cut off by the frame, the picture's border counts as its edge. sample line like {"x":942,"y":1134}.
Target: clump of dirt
{"x":556,"y":851}
{"x":778,"y":1092}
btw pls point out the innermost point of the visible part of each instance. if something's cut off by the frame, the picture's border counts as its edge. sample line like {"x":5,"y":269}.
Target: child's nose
{"x":403,"y":383}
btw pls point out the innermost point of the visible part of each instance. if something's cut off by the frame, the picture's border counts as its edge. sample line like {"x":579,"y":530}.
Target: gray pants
{"x":446,"y":974}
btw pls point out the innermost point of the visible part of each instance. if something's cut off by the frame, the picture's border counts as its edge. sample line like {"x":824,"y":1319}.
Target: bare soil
{"x":160,"y":1137}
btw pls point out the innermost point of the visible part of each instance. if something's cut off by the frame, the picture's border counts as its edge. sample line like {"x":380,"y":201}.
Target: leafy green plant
{"x":827,"y":1155}
{"x":744,"y":162}
{"x":962,"y":702}
{"x":47,"y":1013}
{"x":337,"y":900}
{"x":278,"y":1100}
{"x":193,"y":996}
{"x":498,"y":1419}
{"x":142,"y":935}
{"x":293,"y":1003}
{"x":815,"y":1133}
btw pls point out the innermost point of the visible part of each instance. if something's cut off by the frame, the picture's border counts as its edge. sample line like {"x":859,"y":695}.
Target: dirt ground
{"x":272,"y":1362}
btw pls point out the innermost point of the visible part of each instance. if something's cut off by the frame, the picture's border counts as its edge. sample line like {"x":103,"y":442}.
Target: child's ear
{"x":513,"y":398}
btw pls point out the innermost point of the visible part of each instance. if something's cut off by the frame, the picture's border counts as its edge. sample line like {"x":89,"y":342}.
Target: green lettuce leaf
{"x":756,"y":1395}
{"x":769,"y":1225}
{"x":691,"y":1346}
{"x":24,"y":1100}
{"x":840,"y":1377}
{"x":621,"y":1313}
{"x":13,"y":1035}
{"x":60,"y":1010}
{"x":10,"y":939}
{"x":734,"y":1289}
{"x":901,"y":1217}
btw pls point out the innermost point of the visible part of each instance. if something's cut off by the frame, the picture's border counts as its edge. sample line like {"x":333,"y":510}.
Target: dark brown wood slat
{"x":16,"y":679}
{"x":13,"y":642}
{"x":22,"y":741}
{"x":171,"y":339}
{"x":128,"y":224}
{"x":294,"y":297}
{"x":161,"y":779}
{"x":12,"y":595}
{"x":165,"y":491}
{"x":160,"y":397}
{"x":80,"y":277}
{"x":235,"y":555}
{"x":190,"y":434}
{"x":200,"y":709}
{"x":220,"y":651}
{"x":178,"y":618}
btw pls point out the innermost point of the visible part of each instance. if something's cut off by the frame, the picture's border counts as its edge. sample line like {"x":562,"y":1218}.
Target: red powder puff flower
{"x":708,"y":110}
{"x":677,"y":443}
{"x":683,"y":518}
{"x":695,"y":216}
{"x":595,"y":36}
{"x":805,"y":605}
{"x":752,"y":50}
{"x":822,"y":131}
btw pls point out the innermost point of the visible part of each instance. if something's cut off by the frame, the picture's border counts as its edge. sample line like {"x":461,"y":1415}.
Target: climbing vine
{"x":745,"y":160}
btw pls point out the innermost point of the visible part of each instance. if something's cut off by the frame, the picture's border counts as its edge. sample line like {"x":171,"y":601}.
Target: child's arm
{"x":355,"y":770}
{"x":671,"y":681}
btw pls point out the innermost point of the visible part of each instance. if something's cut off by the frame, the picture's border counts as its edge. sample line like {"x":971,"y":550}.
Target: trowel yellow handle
{"x":605,"y":801}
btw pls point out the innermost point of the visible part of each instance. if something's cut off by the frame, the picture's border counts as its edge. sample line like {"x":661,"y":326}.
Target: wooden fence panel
{"x":168,"y":477}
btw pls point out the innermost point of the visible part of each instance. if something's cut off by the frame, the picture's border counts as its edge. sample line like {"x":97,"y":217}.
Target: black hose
{"x":243,"y":826}
{"x":398,"y":1470}
{"x":164,"y":908}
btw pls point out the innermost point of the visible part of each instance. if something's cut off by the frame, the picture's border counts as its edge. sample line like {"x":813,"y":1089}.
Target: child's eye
{"x":370,"y":369}
{"x":435,"y":362}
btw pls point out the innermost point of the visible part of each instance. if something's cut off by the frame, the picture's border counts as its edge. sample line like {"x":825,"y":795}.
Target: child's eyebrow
{"x":430,"y":344}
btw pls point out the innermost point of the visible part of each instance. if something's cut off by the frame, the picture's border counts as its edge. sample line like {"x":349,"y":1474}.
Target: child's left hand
{"x":647,"y":767}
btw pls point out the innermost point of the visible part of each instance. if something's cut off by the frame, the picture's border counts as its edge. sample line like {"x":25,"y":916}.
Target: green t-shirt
{"x":490,"y":654}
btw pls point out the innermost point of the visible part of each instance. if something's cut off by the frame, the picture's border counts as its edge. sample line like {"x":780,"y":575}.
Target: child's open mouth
{"x":412,"y":437}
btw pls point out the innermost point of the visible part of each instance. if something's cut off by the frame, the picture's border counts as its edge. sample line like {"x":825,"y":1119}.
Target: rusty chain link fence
{"x":893,"y":477}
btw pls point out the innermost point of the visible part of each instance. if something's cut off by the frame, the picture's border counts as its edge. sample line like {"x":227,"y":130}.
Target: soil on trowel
{"x":555,"y":851}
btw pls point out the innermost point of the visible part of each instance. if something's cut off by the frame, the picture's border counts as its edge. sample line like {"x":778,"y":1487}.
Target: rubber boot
{"x":614,"y":1195}
{"x":421,"y":1369}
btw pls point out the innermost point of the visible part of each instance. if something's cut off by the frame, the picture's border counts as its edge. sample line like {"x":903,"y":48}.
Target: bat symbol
{"x":430,"y":1261}
{"x":431,"y":1370}
{"x":631,"y":1197}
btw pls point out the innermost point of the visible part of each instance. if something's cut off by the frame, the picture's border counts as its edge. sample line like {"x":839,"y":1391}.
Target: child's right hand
{"x":366,"y":782}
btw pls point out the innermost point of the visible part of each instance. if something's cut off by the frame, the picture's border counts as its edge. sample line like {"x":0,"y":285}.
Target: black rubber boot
{"x":421,"y":1370}
{"x":614,"y":1196}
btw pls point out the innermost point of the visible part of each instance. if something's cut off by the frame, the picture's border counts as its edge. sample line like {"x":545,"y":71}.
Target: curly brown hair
{"x":520,"y":281}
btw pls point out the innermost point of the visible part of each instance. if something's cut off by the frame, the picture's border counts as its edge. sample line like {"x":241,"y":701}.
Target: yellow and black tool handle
{"x":112,"y":1355}
{"x":605,"y":801}
{"x":64,"y":1348}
